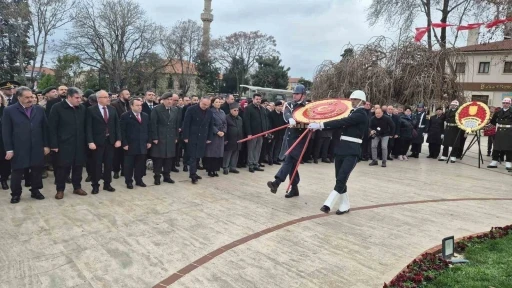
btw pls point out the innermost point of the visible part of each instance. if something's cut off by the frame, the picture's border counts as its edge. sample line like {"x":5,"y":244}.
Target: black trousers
{"x":36,"y":180}
{"x":343,"y":166}
{"x":89,"y":164}
{"x":391,"y":145}
{"x":365,"y":146}
{"x":118,"y":162}
{"x":134,"y":166}
{"x":497,"y":155}
{"x":62,"y":173}
{"x":192,"y":162}
{"x":416,"y":147}
{"x":5,"y":166}
{"x":434,"y":150}
{"x":490,"y":142}
{"x":162,"y":166}
{"x":446,"y":150}
{"x":277,"y":143}
{"x":212,"y":164}
{"x":321,"y":147}
{"x":103,"y":157}
{"x":179,"y":150}
{"x":403,"y":146}
{"x":287,"y":169}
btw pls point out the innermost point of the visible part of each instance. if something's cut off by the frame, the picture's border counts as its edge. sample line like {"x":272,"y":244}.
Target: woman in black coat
{"x":405,"y":135}
{"x":5,"y":165}
{"x":435,"y":134}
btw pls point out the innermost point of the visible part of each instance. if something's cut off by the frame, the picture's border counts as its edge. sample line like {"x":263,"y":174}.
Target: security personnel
{"x":293,"y":132}
{"x":347,"y":149}
{"x":503,"y":141}
{"x":452,"y":133}
{"x":420,"y":122}
{"x":8,"y":89}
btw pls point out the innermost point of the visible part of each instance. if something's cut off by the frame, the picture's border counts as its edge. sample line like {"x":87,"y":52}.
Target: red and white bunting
{"x":421,"y":31}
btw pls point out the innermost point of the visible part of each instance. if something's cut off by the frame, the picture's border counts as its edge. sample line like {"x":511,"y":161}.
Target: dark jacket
{"x":165,"y":125}
{"x":146,"y":109}
{"x":121,"y":107}
{"x":255,"y":120}
{"x":452,"y":133}
{"x":234,"y":133}
{"x":420,"y":124}
{"x":383,"y":126}
{"x":276,"y":120}
{"x":216,"y":148}
{"x":355,"y":127}
{"x":225,"y":107}
{"x":197,"y":129}
{"x":135,"y":135}
{"x":49,"y":105}
{"x":96,"y":129}
{"x":396,"y":121}
{"x":25,"y":136}
{"x":435,"y":129}
{"x":67,"y":133}
{"x":503,"y":137}
{"x":14,"y":100}
{"x":405,"y":127}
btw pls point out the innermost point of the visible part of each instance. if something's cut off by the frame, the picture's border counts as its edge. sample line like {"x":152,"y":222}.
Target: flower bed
{"x":429,"y":265}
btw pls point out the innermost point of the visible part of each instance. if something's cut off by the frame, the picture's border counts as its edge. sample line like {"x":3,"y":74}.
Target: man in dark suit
{"x":165,"y":124}
{"x":67,"y":140}
{"x":393,"y":139}
{"x":149,"y":102}
{"x":122,"y":105}
{"x":61,"y":96}
{"x":197,"y":133}
{"x":103,"y":134}
{"x":8,"y":88}
{"x":255,"y":122}
{"x":135,"y":142}
{"x":194,"y":100}
{"x":24,"y":133}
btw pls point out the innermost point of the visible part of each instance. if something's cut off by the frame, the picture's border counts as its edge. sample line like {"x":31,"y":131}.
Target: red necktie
{"x":105,"y":116}
{"x":138,"y":118}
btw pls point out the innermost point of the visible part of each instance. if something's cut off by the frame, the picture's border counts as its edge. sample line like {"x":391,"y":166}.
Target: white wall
{"x":495,"y":75}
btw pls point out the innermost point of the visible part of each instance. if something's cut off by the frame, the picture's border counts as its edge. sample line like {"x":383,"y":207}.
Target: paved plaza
{"x":231,"y":231}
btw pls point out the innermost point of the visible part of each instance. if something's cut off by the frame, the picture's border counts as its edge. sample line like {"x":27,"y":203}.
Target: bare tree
{"x":244,"y":46}
{"x":182,"y":44}
{"x":46,"y":17}
{"x":112,"y":36}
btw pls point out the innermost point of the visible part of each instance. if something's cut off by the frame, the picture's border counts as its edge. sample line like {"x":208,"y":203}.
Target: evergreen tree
{"x":270,"y":73}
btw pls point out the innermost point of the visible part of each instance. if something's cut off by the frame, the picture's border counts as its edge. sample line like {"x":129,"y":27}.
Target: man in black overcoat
{"x":122,"y":105}
{"x":276,"y":119}
{"x":420,"y":122}
{"x":135,"y":143}
{"x":435,"y":133}
{"x":24,"y":133}
{"x":103,"y":135}
{"x":67,"y":140}
{"x":197,"y":133}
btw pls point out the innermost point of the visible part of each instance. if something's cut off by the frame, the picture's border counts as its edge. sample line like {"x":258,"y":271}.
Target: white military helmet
{"x":358,"y":94}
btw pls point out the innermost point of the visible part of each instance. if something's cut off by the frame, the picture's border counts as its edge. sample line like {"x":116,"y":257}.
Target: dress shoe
{"x":315,"y":161}
{"x":294,"y":192}
{"x":157,"y":181}
{"x":15,"y":199}
{"x":374,"y":163}
{"x":429,"y":157}
{"x":141,"y":184}
{"x":199,"y":177}
{"x":277,"y":163}
{"x":339,"y":212}
{"x":258,"y":169}
{"x":175,"y":170}
{"x":4,"y":185}
{"x":108,"y":188}
{"x":44,"y":175}
{"x":194,"y":179}
{"x":88,"y":179}
{"x":116,"y":175}
{"x":273,"y":185}
{"x":225,"y":171}
{"x":79,"y":192}
{"x":68,"y":180}
{"x":325,"y":209}
{"x":326,"y":161}
{"x":251,"y":170}
{"x":37,"y":195}
{"x":185,"y":168}
{"x":122,"y":174}
{"x":199,"y":167}
{"x":234,"y":171}
{"x":215,"y":174}
{"x":59,"y":195}
{"x":308,"y":161}
{"x":211,"y":174}
{"x":129,"y":186}
{"x":261,"y":165}
{"x":177,"y":164}
{"x":390,"y":158}
{"x":168,"y":180}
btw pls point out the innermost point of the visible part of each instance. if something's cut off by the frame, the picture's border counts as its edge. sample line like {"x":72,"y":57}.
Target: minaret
{"x":207,"y":18}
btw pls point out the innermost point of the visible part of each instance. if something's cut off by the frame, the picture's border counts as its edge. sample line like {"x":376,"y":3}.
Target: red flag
{"x":420,"y":33}
{"x":497,"y":22}
{"x":469,"y":26}
{"x":441,"y":25}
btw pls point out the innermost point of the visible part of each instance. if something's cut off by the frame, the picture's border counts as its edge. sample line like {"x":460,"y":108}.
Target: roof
{"x":176,"y":67}
{"x":293,"y":80}
{"x":504,"y":45}
{"x":47,"y":71}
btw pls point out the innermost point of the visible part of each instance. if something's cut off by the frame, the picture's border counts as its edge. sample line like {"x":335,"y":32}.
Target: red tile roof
{"x":293,"y":80}
{"x":504,"y":45}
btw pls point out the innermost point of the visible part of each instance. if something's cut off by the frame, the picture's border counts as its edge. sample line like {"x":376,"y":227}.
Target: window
{"x":480,"y":98}
{"x":507,"y":67}
{"x":460,"y":67}
{"x":484,"y":67}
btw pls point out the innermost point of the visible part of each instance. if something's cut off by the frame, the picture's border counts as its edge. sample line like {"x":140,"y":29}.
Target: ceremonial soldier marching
{"x":503,"y":138}
{"x":420,"y":122}
{"x":347,"y":149}
{"x":291,"y":136}
{"x":452,"y":133}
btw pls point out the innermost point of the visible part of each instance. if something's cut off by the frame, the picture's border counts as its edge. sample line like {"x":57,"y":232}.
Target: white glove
{"x":316,"y":126}
{"x":292,"y":122}
{"x":442,"y":136}
{"x":424,"y":134}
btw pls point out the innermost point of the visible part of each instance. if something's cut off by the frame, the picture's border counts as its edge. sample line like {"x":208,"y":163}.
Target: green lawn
{"x":490,"y":266}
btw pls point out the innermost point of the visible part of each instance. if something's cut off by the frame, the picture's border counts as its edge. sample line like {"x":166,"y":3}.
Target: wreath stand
{"x":476,"y":139}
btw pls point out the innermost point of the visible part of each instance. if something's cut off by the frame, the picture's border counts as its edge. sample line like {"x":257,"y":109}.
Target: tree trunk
{"x":429,"y":22}
{"x":43,"y":52}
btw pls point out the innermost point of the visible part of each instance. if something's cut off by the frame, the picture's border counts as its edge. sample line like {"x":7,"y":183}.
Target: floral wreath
{"x":472,"y":116}
{"x":323,"y":111}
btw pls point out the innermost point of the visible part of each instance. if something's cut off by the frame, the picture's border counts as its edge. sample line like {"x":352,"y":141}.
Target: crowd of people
{"x":63,"y":130}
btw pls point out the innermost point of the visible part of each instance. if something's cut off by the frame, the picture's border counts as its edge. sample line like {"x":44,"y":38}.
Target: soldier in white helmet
{"x":503,"y":139}
{"x":452,"y":134}
{"x":347,"y":149}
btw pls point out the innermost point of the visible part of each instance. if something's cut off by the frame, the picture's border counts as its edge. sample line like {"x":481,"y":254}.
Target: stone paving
{"x":146,"y":236}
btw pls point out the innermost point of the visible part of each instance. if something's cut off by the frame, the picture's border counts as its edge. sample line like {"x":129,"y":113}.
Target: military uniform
{"x":420,"y":123}
{"x":452,"y":135}
{"x":503,"y":138}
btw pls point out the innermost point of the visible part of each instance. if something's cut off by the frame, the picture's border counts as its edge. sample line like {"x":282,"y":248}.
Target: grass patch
{"x":490,"y":266}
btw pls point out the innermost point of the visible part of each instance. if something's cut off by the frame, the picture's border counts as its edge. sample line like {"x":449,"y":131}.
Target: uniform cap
{"x":10,"y":84}
{"x":278,"y":103}
{"x":506,"y":101}
{"x":299,"y":89}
